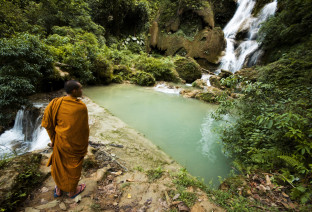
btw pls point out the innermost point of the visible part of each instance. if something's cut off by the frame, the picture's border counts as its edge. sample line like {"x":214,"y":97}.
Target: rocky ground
{"x":123,"y":171}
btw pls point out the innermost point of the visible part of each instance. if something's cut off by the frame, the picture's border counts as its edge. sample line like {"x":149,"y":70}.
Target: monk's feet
{"x":79,"y":189}
{"x":57,"y":192}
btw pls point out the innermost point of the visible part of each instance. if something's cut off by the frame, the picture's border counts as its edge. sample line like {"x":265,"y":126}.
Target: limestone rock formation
{"x":192,"y":33}
{"x":207,"y":44}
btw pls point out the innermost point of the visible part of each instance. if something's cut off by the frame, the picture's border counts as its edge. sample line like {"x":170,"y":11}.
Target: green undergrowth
{"x":227,"y":199}
{"x":154,"y":174}
{"x":272,"y":131}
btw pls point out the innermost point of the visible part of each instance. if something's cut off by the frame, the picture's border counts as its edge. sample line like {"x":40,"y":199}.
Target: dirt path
{"x":123,"y":171}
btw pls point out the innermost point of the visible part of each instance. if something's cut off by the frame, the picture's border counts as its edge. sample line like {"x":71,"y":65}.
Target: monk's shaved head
{"x":71,"y":85}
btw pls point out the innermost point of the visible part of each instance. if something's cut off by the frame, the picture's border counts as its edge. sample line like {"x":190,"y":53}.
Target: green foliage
{"x":25,"y":67}
{"x":154,"y":174}
{"x":144,"y":79}
{"x":188,"y":69}
{"x":81,"y":54}
{"x":102,"y":69}
{"x":121,"y":16}
{"x":170,"y":8}
{"x":273,"y":120}
{"x":4,"y":160}
{"x":12,"y":19}
{"x":302,"y":193}
{"x":39,"y":17}
{"x":292,"y":24}
{"x":134,"y":44}
{"x":188,"y":198}
{"x":161,"y":69}
{"x":184,"y":179}
{"x":121,"y":72}
{"x":73,"y":13}
{"x":231,"y":81}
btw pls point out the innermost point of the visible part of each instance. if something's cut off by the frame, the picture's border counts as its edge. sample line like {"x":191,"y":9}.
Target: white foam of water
{"x":234,"y":59}
{"x":206,"y":77}
{"x":41,"y":139}
{"x":162,"y":87}
{"x":15,"y":136}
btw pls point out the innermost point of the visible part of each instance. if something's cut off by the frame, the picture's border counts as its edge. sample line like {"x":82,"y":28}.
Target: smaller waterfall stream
{"x":26,"y":135}
{"x":235,"y":58}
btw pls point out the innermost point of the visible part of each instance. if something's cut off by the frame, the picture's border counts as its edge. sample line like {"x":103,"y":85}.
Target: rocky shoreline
{"x":123,"y":171}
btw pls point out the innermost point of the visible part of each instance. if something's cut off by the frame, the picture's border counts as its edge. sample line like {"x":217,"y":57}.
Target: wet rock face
{"x":192,"y":33}
{"x":31,"y":120}
{"x":223,"y":11}
{"x":207,"y":44}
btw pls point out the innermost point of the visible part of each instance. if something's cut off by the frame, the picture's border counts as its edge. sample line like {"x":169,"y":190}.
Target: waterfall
{"x":235,"y":57}
{"x":26,"y":134}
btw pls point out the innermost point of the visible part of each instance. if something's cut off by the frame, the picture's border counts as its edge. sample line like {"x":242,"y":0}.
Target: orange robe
{"x":66,"y":121}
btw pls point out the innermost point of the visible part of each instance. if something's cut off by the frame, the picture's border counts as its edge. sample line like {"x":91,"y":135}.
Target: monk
{"x":66,"y":121}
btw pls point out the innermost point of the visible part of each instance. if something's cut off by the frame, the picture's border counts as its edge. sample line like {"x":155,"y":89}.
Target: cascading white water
{"x":234,"y":58}
{"x":15,"y":141}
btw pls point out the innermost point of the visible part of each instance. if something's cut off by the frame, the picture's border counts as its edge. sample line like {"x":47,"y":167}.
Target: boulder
{"x":188,"y":69}
{"x":210,"y":95}
{"x":225,"y":74}
{"x":249,"y":74}
{"x":208,"y":44}
{"x":18,"y":176}
{"x":199,"y":83}
{"x":215,"y":81}
{"x":207,"y":15}
{"x":189,"y":93}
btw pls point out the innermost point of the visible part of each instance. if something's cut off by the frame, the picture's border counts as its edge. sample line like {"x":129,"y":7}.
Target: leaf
{"x":270,"y":124}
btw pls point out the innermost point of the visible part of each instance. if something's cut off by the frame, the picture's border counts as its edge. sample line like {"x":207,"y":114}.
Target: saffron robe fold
{"x":66,"y":121}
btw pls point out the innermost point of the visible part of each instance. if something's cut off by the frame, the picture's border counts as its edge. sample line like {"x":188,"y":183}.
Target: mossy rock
{"x":18,"y":177}
{"x":199,"y":83}
{"x":209,"y":97}
{"x":188,"y":69}
{"x":215,"y":81}
{"x":144,"y":79}
{"x":249,"y":74}
{"x":225,"y":74}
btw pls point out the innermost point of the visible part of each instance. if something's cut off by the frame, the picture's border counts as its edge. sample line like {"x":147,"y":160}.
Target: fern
{"x":290,"y":161}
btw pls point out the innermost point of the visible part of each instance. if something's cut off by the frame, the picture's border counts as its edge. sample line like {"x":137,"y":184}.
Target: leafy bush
{"x":120,"y":17}
{"x":81,"y":55}
{"x":144,"y":79}
{"x":102,"y":69}
{"x":273,"y":127}
{"x":25,"y":67}
{"x":12,"y":19}
{"x":162,"y":69}
{"x":292,"y":24}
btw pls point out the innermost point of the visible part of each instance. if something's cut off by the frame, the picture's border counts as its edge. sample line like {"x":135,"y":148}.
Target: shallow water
{"x":180,"y":127}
